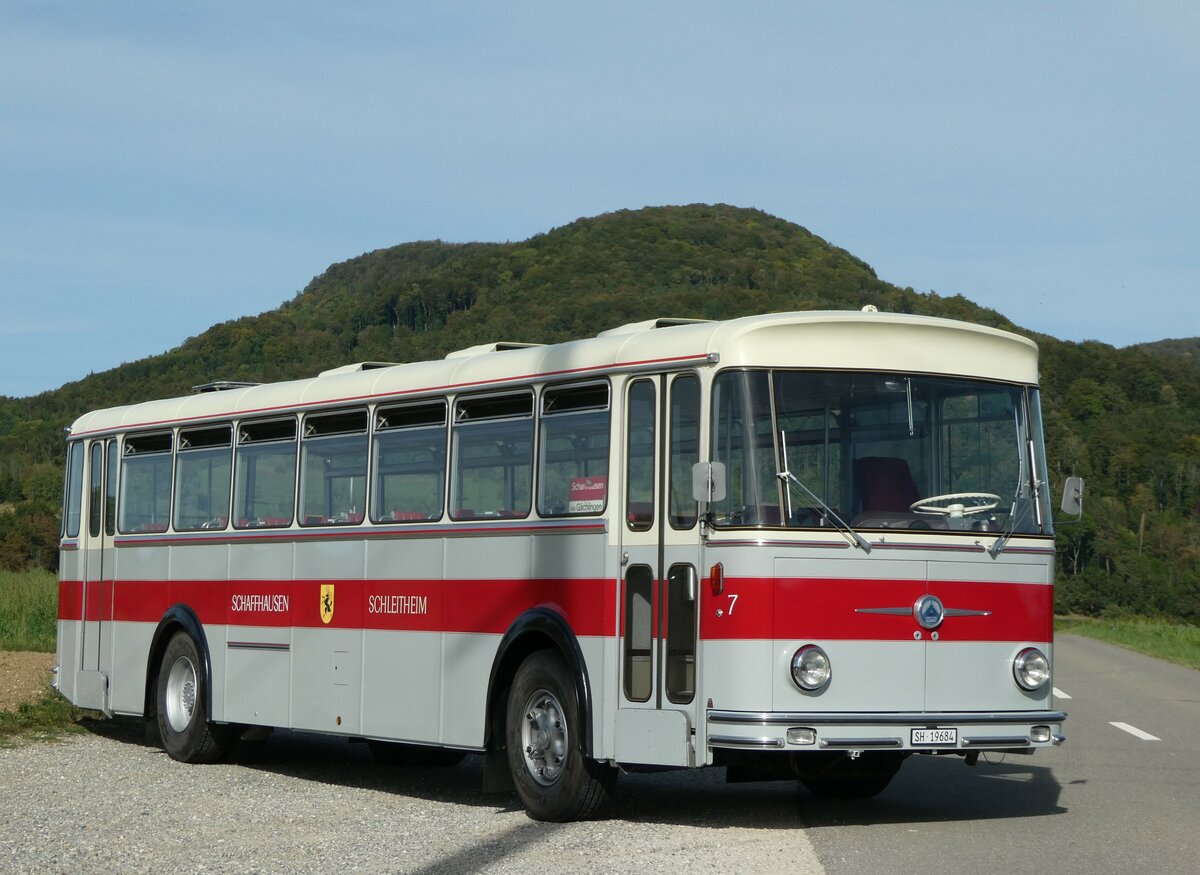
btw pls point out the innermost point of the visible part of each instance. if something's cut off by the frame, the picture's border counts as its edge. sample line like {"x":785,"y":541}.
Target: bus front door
{"x":657,"y":710}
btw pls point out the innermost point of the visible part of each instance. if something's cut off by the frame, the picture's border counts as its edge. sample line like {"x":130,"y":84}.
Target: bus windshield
{"x":879,"y":450}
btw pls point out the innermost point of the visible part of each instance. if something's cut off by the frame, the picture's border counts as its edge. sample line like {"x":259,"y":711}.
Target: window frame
{"x":375,"y":490}
{"x":554,"y":391}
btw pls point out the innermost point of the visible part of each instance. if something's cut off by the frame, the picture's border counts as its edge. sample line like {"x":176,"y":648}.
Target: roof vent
{"x":484,"y":348}
{"x":222,"y":386}
{"x":650,"y":325}
{"x":356,"y":367}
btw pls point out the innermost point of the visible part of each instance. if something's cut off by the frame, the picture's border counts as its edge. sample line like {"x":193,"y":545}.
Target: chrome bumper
{"x":975,"y":730}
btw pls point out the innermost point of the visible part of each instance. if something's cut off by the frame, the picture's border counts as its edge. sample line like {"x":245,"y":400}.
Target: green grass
{"x":49,"y":717}
{"x":28,"y":610}
{"x":1173,"y":642}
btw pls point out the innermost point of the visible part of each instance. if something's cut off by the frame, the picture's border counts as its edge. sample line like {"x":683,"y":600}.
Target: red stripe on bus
{"x":479,"y":606}
{"x":749,"y":608}
{"x":809,"y":608}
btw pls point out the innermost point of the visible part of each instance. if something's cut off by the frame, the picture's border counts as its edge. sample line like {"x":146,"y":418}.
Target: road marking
{"x":1134,"y":731}
{"x":1059,"y":694}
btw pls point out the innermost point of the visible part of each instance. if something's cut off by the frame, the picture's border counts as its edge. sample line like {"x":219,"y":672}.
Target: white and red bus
{"x":802,"y":545}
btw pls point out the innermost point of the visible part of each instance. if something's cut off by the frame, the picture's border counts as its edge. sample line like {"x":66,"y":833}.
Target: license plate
{"x":934,"y":736}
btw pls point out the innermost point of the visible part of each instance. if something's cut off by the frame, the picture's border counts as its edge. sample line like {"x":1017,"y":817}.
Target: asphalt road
{"x":1107,"y":801}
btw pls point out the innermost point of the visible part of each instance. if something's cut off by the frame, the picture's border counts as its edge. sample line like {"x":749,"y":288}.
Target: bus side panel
{"x":252,"y":653}
{"x":326,"y":678}
{"x":70,"y":616}
{"x":131,"y":648}
{"x":402,"y":646}
{"x":479,"y":608}
{"x":133,"y":621}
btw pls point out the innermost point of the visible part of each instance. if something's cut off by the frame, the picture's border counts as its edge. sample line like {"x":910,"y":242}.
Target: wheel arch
{"x":540,"y":628}
{"x":178,"y":618}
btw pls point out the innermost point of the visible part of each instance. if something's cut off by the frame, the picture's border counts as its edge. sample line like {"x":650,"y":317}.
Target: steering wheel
{"x":960,"y":503}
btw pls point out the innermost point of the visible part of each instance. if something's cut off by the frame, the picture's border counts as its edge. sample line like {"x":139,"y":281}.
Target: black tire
{"x":183,"y":725}
{"x":555,"y":781}
{"x":840,"y":777}
{"x":392,"y":753}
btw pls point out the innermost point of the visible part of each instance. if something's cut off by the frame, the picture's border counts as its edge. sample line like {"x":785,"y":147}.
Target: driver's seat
{"x":885,"y":483}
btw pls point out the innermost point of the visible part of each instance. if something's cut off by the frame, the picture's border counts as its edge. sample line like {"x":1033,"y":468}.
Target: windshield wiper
{"x":827,"y":513}
{"x":1000,"y":543}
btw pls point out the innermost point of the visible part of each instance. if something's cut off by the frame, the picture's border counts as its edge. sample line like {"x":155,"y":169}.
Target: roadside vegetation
{"x":28,"y":610}
{"x":1174,"y":642}
{"x":48,"y":717}
{"x":28,"y":615}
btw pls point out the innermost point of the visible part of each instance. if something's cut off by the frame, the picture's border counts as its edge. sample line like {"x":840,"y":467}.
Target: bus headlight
{"x":1031,"y":669}
{"x":810,"y":668}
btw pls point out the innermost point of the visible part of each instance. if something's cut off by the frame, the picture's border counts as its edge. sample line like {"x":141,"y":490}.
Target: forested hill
{"x":1129,"y":420}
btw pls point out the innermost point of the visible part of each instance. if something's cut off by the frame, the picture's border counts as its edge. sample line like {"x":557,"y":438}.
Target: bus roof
{"x":827,"y":340}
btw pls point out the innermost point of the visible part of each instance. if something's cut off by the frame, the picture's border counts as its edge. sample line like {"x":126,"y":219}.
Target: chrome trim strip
{"x":735,"y":741}
{"x":904,"y":612}
{"x":860,"y":743}
{"x":998,"y":741}
{"x":256,"y":645}
{"x":767,"y":542}
{"x":460,"y":529}
{"x":921,"y":718}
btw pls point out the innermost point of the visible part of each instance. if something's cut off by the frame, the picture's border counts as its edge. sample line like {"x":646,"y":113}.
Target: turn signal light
{"x":716,"y":579}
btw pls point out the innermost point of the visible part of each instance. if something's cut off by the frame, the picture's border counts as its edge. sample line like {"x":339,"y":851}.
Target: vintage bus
{"x":800,"y":545}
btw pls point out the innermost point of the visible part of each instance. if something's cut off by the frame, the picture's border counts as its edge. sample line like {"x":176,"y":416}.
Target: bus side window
{"x":685,"y":449}
{"x":202,"y":476}
{"x":493,"y":456}
{"x":96,"y":489}
{"x":639,"y":461}
{"x":333,"y":468}
{"x":73,"y":499}
{"x":573,"y":450}
{"x":410,"y":463}
{"x":264,"y":482}
{"x":110,"y":489}
{"x":639,"y":581}
{"x":145,"y":504}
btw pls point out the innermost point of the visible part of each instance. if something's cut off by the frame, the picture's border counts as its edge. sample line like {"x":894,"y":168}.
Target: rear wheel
{"x":838,"y":776}
{"x":555,"y":781}
{"x":183,"y":724}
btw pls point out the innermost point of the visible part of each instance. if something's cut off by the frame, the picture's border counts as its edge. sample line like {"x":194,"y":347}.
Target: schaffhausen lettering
{"x":259,"y":603}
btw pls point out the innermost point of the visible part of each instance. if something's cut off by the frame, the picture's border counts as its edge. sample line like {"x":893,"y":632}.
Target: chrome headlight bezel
{"x":1031,"y":669}
{"x":811,"y":668}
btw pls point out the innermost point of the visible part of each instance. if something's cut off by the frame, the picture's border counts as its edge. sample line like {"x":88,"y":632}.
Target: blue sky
{"x":165,"y":166}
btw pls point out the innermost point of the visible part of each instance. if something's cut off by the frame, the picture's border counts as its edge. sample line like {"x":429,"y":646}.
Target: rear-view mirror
{"x":1072,"y":500}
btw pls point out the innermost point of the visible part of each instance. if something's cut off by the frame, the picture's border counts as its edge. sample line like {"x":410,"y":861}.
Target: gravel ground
{"x":23,"y":677}
{"x":302,"y":803}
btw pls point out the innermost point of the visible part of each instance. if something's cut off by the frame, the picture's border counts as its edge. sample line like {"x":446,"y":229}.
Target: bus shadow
{"x":927,"y":789}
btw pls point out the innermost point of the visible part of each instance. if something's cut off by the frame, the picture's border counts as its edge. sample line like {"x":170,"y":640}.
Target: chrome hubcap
{"x":544,"y":738}
{"x":181,"y":694}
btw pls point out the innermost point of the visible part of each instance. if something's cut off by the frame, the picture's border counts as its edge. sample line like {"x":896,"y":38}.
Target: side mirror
{"x":708,"y":481}
{"x":1072,"y":500}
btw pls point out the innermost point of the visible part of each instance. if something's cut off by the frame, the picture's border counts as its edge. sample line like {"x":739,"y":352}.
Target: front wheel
{"x":182,"y":719}
{"x":543,"y":729}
